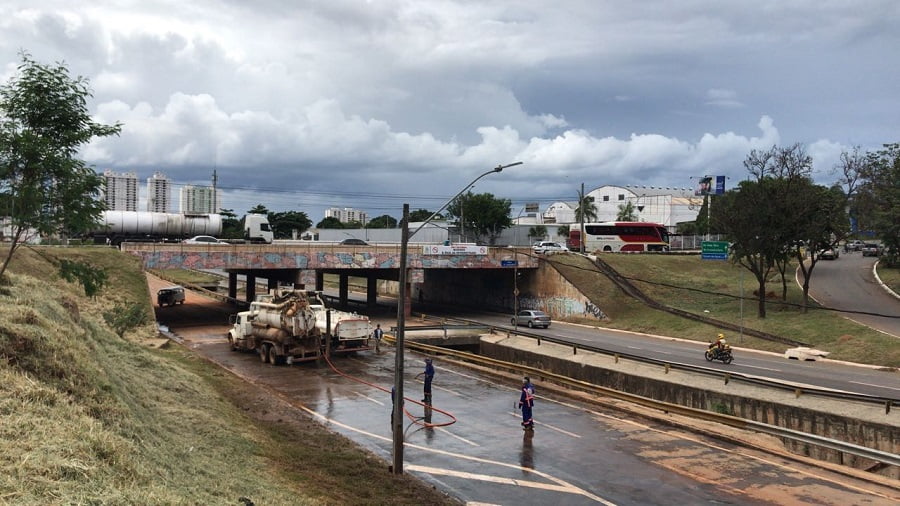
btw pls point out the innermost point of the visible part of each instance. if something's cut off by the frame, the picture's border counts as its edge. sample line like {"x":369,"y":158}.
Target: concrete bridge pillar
{"x":371,"y":290}
{"x":251,"y":287}
{"x":232,"y":285}
{"x":343,"y":289}
{"x":320,"y":281}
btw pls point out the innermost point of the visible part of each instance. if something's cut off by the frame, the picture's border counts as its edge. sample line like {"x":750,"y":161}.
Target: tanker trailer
{"x":121,"y":226}
{"x":281,"y":329}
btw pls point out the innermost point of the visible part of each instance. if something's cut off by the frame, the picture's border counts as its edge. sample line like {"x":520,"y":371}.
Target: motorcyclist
{"x":720,"y":344}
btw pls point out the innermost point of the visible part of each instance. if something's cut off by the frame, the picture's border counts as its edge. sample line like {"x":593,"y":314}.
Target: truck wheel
{"x":231,"y":343}
{"x":264,"y":353}
{"x":274,"y":359}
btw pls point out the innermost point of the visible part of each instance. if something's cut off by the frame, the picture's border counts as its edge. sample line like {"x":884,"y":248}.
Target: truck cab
{"x":257,"y":229}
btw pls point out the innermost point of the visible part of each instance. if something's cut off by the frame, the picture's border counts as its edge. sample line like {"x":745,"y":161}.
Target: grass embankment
{"x":890,"y":277}
{"x":713,"y":289}
{"x":89,"y":417}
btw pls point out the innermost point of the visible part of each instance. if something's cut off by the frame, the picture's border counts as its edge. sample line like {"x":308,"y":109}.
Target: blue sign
{"x":508,"y":263}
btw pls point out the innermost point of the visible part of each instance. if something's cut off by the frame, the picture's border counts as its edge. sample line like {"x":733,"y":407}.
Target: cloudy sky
{"x":304,"y":105}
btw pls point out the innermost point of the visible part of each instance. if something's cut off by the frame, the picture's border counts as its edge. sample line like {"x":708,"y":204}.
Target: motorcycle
{"x":714,"y":353}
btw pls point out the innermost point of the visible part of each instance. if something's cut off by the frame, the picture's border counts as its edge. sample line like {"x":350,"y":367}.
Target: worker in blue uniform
{"x":428,"y":373}
{"x":526,"y":403}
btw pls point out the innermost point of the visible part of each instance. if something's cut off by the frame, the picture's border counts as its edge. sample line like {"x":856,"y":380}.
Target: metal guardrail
{"x":733,"y":421}
{"x":888,"y":402}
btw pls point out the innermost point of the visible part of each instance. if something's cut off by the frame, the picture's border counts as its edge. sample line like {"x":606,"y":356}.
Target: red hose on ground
{"x":412,"y":418}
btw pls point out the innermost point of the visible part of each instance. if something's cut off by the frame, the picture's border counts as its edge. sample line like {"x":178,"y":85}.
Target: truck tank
{"x":137,"y":225}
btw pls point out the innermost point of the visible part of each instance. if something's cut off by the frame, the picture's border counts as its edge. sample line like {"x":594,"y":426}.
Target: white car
{"x":548,"y":247}
{"x":203,"y":239}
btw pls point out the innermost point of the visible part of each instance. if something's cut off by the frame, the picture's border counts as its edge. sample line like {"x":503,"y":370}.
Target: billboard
{"x":710,"y":185}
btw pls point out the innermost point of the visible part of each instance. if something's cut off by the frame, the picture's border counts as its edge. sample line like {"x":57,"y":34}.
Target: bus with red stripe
{"x":619,"y":236}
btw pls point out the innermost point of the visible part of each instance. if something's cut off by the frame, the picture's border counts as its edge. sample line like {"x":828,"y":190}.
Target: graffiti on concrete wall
{"x":561,"y":306}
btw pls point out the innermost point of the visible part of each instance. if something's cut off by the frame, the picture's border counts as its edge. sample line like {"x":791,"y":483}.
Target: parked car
{"x":828,"y":254}
{"x":854,"y":245}
{"x":531,"y":318}
{"x":547,"y":247}
{"x":354,"y":242}
{"x":203,"y":239}
{"x":170,"y":295}
{"x":871,"y":249}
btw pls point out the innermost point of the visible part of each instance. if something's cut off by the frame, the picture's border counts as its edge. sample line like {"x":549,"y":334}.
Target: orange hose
{"x":412,"y":418}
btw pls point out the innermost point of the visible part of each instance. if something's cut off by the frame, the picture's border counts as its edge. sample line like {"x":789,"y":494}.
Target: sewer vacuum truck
{"x":280,"y":327}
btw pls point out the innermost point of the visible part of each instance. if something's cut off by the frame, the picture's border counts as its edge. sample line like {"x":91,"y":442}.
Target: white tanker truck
{"x":120,"y":226}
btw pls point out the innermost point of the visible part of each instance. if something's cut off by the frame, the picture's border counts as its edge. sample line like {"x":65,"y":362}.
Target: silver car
{"x":531,"y":318}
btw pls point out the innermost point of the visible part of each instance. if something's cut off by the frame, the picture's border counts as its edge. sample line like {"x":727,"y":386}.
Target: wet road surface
{"x":579,"y":453}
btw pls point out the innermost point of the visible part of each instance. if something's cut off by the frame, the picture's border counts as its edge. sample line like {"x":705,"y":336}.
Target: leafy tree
{"x":481,"y":214}
{"x":284,"y":224}
{"x":385,"y":221}
{"x":259,"y":209}
{"x":819,"y":222}
{"x":353,"y":224}
{"x":882,"y":180}
{"x":231,"y":225}
{"x":44,"y":121}
{"x":330,"y":222}
{"x":627,"y":212}
{"x":537,"y":231}
{"x":748,"y":217}
{"x":562,"y":231}
{"x":422,"y":215}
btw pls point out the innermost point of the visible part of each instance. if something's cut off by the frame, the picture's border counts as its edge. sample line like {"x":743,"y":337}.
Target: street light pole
{"x":405,"y":235}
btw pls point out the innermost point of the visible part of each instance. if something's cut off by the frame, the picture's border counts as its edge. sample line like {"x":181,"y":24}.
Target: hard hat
{"x":721,"y":336}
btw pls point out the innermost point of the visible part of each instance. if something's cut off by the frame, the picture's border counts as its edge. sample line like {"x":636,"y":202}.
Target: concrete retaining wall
{"x":739,"y":400}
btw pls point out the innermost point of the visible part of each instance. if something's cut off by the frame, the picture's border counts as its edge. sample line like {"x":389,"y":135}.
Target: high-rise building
{"x":200,"y":199}
{"x":120,"y":190}
{"x":347,"y":215}
{"x":159,"y":191}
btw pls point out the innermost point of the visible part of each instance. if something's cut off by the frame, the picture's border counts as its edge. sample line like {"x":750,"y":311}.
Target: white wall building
{"x":656,"y":204}
{"x":120,"y":190}
{"x":159,"y":192}
{"x":199,"y":199}
{"x":346,"y":215}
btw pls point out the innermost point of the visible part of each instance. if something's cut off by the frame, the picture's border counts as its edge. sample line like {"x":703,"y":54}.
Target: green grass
{"x":890,"y":277}
{"x":712,"y":289}
{"x":89,"y":417}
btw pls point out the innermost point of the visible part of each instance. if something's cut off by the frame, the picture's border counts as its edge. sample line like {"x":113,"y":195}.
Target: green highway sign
{"x":714,"y":250}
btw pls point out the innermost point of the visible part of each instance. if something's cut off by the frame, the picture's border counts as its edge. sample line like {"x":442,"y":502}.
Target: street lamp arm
{"x":447,"y":204}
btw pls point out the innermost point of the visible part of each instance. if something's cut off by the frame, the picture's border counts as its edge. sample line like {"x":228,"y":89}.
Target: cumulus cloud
{"x":371,"y":104}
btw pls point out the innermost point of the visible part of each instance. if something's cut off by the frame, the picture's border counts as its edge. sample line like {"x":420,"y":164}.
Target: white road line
{"x":763,"y":368}
{"x":464,"y":440}
{"x":557,"y":429}
{"x":493,"y":479}
{"x":364,"y":396}
{"x":873,"y":385}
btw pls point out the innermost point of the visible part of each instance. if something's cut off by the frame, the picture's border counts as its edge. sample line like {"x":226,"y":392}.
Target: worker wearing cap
{"x":428,"y":373}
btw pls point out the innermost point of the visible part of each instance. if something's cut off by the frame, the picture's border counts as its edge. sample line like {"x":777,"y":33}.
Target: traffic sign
{"x":714,"y":250}
{"x":508,"y":263}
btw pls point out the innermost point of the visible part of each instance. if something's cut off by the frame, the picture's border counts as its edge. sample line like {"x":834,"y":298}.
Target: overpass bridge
{"x":434,"y":271}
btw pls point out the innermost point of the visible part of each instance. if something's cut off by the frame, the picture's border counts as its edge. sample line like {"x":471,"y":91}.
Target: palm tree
{"x":627,"y":212}
{"x":586,"y":206}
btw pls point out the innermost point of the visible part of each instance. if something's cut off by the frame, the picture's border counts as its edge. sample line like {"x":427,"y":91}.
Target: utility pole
{"x":581,"y":205}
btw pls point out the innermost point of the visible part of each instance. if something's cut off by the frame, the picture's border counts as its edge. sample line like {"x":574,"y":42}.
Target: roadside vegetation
{"x":713,"y":289}
{"x":89,"y":417}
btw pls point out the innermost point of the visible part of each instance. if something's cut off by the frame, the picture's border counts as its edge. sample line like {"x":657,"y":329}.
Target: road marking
{"x":464,"y":440}
{"x":873,"y":385}
{"x":492,"y":479}
{"x":567,"y":487}
{"x":557,"y":429}
{"x":364,"y":396}
{"x":763,"y":368}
